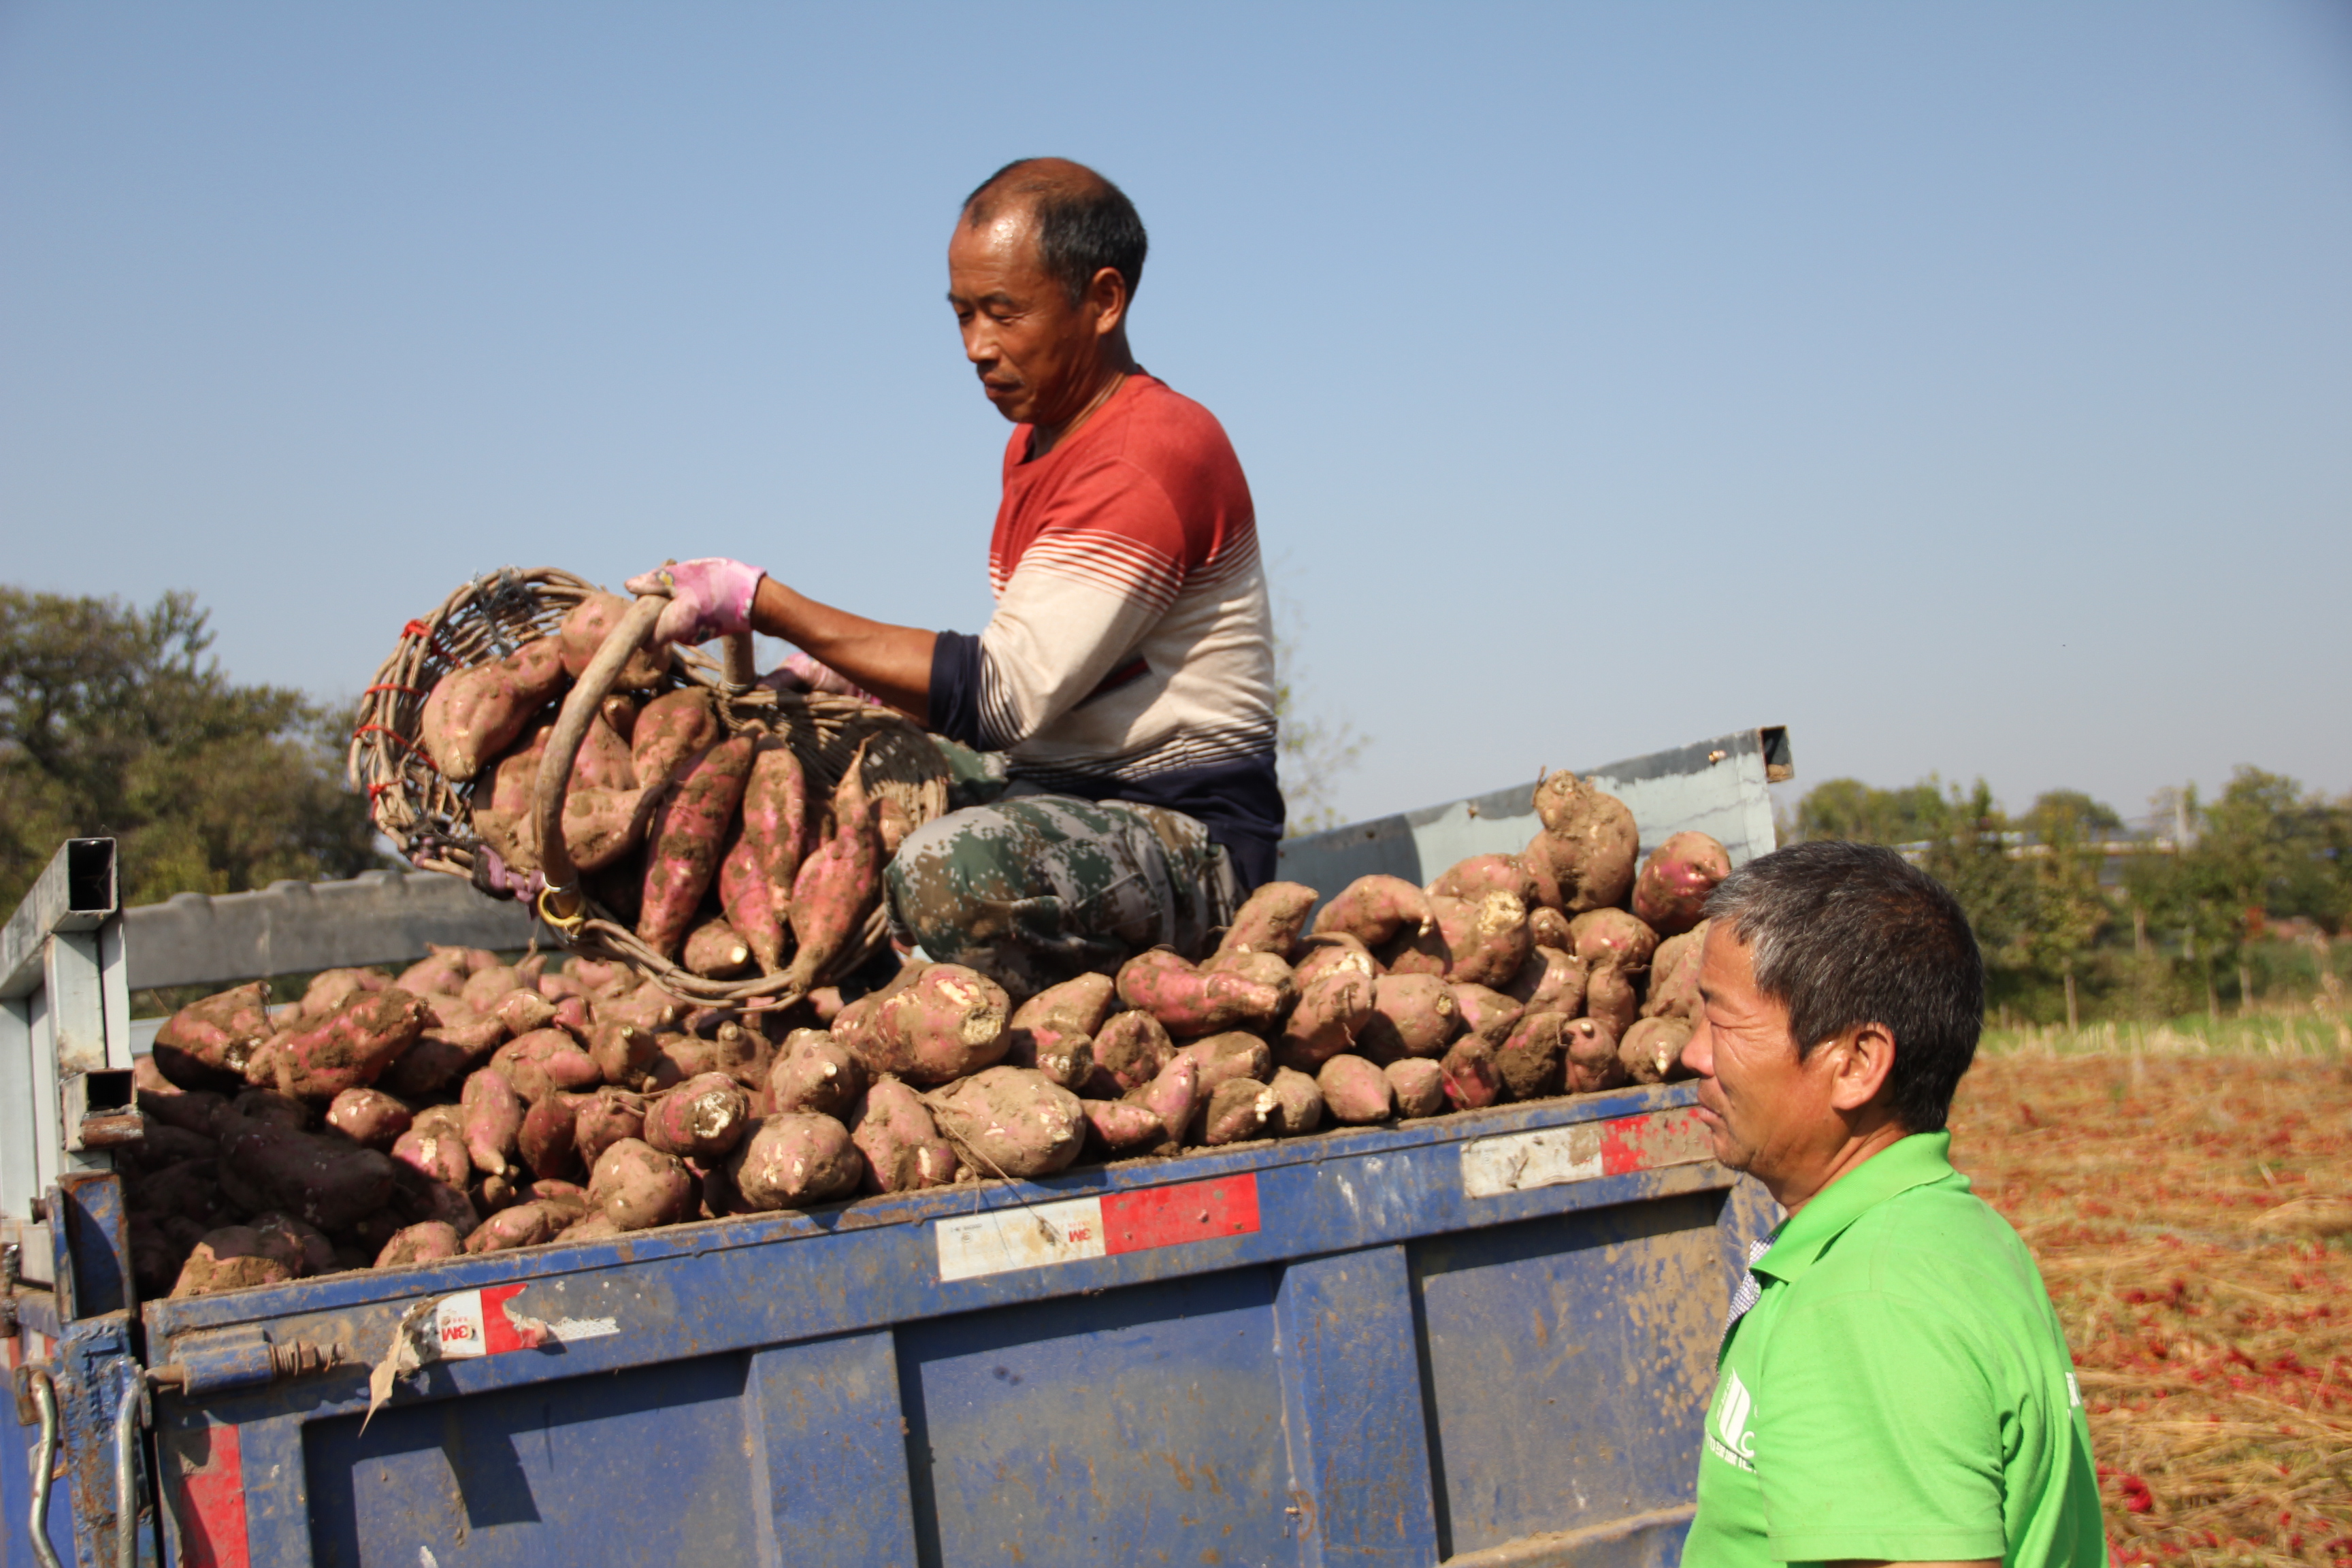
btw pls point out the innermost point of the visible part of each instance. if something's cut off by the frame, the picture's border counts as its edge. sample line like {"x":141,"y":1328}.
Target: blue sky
{"x":1969,"y":387}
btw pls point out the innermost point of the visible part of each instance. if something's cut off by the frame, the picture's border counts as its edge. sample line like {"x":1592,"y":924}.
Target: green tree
{"x":1859,"y":813}
{"x":114,"y":722}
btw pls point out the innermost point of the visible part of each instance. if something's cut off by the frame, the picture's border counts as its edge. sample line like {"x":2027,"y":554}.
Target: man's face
{"x":1768,"y":1114}
{"x":1035,"y":352}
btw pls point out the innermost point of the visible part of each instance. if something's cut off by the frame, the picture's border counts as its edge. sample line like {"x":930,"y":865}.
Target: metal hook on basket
{"x":564,"y":925}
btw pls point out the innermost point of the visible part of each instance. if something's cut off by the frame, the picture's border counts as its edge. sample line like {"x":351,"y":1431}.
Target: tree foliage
{"x":114,"y":722}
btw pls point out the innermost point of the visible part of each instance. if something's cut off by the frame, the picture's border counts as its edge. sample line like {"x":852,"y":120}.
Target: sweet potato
{"x":310,"y":1243}
{"x":1548,"y":927}
{"x":1223,"y":1058}
{"x":1011,"y":1122}
{"x":1413,"y":1016}
{"x":1411,"y":952}
{"x":523,"y":1011}
{"x":1532,"y":1061}
{"x":604,"y":761}
{"x":1254,"y":992}
{"x":331,"y":988}
{"x":1419,"y":1085}
{"x":434,"y":1146}
{"x":1673,"y":976}
{"x":443,"y":972}
{"x":948,"y":1023}
{"x":1118,"y":1126}
{"x":793,"y":1161}
{"x":427,"y":1243}
{"x":458,"y":1022}
{"x":1469,"y":1075}
{"x":754,"y":907}
{"x":775,"y":824}
{"x":602,"y":1118}
{"x":235,"y":1257}
{"x":636,"y":1186}
{"x":900,"y":1143}
{"x":493,"y":1120}
{"x":368,"y":1117}
{"x":1133,"y":1047}
{"x":1271,"y":920}
{"x":208,"y":1043}
{"x":1671,"y":889}
{"x":1612,"y":998}
{"x":543,"y":1061}
{"x":189,"y":1189}
{"x":1327,"y":950}
{"x":1354,"y":1091}
{"x":1055,"y":1028}
{"x":1593,"y":1061}
{"x":1652,"y":1049}
{"x":324,"y":1181}
{"x":1486,"y":938}
{"x":486,"y":988}
{"x":167,"y":1145}
{"x":601,"y":827}
{"x":573,"y":1015}
{"x":670,"y":728}
{"x":1172,"y":1094}
{"x":701,"y":1119}
{"x":591,"y":620}
{"x":524,"y":1224}
{"x":1489,"y":1015}
{"x":508,"y":782}
{"x":649,"y":1008}
{"x":1238,"y":1109}
{"x":1474,"y":879}
{"x":833,"y":891}
{"x":1552,"y":980}
{"x":1583,"y":859}
{"x":623,"y":1052}
{"x":474,"y":714}
{"x":193,"y":1109}
{"x":814,"y":1072}
{"x":417,"y":1199}
{"x":1332,"y":1010}
{"x":549,"y":1140}
{"x":594,"y":1228}
{"x":1375,"y":908}
{"x":685,"y":840}
{"x":268,"y":1105}
{"x":717,"y":951}
{"x":1298,"y":1103}
{"x":1616,"y":948}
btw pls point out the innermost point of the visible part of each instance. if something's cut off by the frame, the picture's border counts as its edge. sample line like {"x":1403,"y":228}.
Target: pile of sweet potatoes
{"x":467,"y":1104}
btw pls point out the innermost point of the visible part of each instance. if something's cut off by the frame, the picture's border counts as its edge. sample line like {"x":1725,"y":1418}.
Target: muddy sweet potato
{"x":474,"y":714}
{"x":774,"y":841}
{"x":753,"y":907}
{"x":1053,"y":1031}
{"x":1271,"y":920}
{"x":1131,"y":1049}
{"x":636,"y":1186}
{"x":1592,"y":1062}
{"x":549,"y":1139}
{"x":1485,"y":938}
{"x":1329,"y":950}
{"x":1253,"y":991}
{"x":946,"y":1024}
{"x":369,"y":1117}
{"x":1533,"y":1060}
{"x":208,"y":1043}
{"x":1172,"y":1094}
{"x":351,"y":1046}
{"x":1552,"y":980}
{"x":793,"y":1161}
{"x":521,"y":1011}
{"x":433,"y":1146}
{"x":321,"y":1181}
{"x":1583,"y":859}
{"x":1419,"y":1085}
{"x":235,"y":1257}
{"x":602,"y":1118}
{"x":331,"y":988}
{"x":1413,"y":1016}
{"x":1486,"y":1013}
{"x":1615,"y":948}
{"x":717,"y":951}
{"x":1670,"y":891}
{"x":1652,"y":1049}
{"x":1223,"y":1058}
{"x":670,"y":728}
{"x":1355,"y":1093}
{"x":1374,"y":908}
{"x":1474,"y":879}
{"x":701,"y":1119}
{"x":1469,"y":1075}
{"x":836,"y":887}
{"x":591,"y":620}
{"x":685,"y":840}
{"x":430,"y":1242}
{"x":1118,"y":1126}
{"x":1548,"y":927}
{"x":442,"y":972}
{"x":493,"y":1115}
{"x":1333,"y":1009}
{"x":900,"y":1143}
{"x":527,"y":1224}
{"x":1237,"y":1111}
{"x":1298,"y":1103}
{"x":1011,"y":1122}
{"x":814,"y":1072}
{"x":1673,"y":976}
{"x":623,"y":1053}
{"x":544,"y":1061}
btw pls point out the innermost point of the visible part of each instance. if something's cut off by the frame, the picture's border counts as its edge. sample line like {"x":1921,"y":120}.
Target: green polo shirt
{"x":1900,"y":1389}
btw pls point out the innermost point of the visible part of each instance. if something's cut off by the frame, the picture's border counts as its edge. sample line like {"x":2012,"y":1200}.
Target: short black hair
{"x":1846,"y":934}
{"x":1084,"y":222}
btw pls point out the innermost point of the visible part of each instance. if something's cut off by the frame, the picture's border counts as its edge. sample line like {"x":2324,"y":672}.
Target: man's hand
{"x":710,"y":597}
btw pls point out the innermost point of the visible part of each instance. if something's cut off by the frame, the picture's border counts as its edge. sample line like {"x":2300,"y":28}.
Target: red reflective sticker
{"x":1169,"y":1216}
{"x":498,"y":1332}
{"x":1634,"y":1144}
{"x":212,"y":1512}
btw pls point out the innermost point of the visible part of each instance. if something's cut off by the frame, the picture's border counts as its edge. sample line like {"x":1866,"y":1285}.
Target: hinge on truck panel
{"x":244,"y":1359}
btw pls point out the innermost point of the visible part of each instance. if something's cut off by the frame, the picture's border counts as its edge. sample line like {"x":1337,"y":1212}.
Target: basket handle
{"x":561,"y":901}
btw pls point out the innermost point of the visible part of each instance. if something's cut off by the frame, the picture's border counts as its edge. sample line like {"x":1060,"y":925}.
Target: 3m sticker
{"x":1523,"y":1162}
{"x":1036,"y":1234}
{"x":211,"y":1503}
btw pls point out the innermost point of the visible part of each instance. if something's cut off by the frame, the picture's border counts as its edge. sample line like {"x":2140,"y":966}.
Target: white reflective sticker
{"x":1521,"y":1161}
{"x":1019,"y":1238}
{"x":457,"y":1326}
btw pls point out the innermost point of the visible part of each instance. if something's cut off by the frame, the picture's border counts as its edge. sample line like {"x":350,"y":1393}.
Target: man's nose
{"x":1698,"y":1054}
{"x":978,"y":345}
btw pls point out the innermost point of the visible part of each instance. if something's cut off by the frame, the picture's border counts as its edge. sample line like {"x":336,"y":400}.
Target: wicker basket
{"x":428,"y":817}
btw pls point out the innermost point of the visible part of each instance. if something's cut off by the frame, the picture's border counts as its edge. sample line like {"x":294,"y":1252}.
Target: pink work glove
{"x":799,"y":672}
{"x":709,"y":599}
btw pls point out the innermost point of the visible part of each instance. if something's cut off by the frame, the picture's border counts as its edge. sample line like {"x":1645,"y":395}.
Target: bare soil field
{"x":2192,"y":1213}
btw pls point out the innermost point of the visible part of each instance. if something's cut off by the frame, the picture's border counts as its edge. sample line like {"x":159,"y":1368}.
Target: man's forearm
{"x":892,"y":662}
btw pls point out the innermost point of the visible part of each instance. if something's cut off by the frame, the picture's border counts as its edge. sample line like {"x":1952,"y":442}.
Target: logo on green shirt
{"x":1728,"y":1433}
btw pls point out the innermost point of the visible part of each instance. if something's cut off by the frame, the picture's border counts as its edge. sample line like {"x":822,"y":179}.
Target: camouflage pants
{"x":1033,"y":889}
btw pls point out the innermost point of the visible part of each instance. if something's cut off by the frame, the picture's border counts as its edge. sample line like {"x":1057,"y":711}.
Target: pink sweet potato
{"x":793,"y":1161}
{"x":442,"y":972}
{"x":1327,"y":950}
{"x":1051,"y":1029}
{"x":1413,"y":1016}
{"x":1355,"y":1093}
{"x":331,"y":988}
{"x":368,"y":1117}
{"x":1592,"y":1060}
{"x":591,"y":620}
{"x":1474,"y":879}
{"x":208,"y":1042}
{"x":602,"y":1118}
{"x":1131,"y":1049}
{"x":1411,"y":952}
{"x":1673,"y":976}
{"x":434,"y":1146}
{"x":1011,"y":1122}
{"x":521,"y":1011}
{"x":456,"y":1020}
{"x":1583,"y":859}
{"x":549,"y":1140}
{"x":1469,"y":1075}
{"x":686,"y":839}
{"x":524,"y":1224}
{"x":1419,"y":1085}
{"x":543,"y":1061}
{"x":775,"y":820}
{"x":1548,"y":927}
{"x":1271,"y":920}
{"x":1118,"y":1126}
{"x":430,"y":1242}
{"x":1238,"y":1109}
{"x":323,"y":1182}
{"x":649,"y":1008}
{"x":623,"y":1053}
{"x":1652,"y":1049}
{"x":1374,"y":908}
{"x":670,"y":728}
{"x":474,"y":714}
{"x":717,"y":951}
{"x":493,"y":1121}
{"x":1552,"y":980}
{"x":754,"y":906}
{"x":636,"y":1186}
{"x":1172,"y":1094}
{"x":1669,"y":892}
{"x":1485,"y":938}
{"x":1486,"y":1013}
{"x":486,"y":988}
{"x":1253,"y":991}
{"x":1616,"y":948}
{"x":701,"y":1119}
{"x":1223,"y":1058}
{"x":604,"y":761}
{"x":814,"y":1072}
{"x":948,"y":1023}
{"x":834,"y":890}
{"x":900,"y":1143}
{"x":1298,"y":1103}
{"x":1534,"y":1060}
{"x":1333,"y":1009}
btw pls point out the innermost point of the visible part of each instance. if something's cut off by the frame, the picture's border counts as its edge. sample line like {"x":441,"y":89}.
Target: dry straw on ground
{"x":2189,"y":1211}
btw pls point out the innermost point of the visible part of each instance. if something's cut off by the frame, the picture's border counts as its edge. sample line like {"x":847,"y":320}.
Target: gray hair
{"x":1847,"y":934}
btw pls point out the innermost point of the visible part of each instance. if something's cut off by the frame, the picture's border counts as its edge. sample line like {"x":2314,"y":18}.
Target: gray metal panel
{"x":292,"y":928}
{"x":1714,"y":787}
{"x":74,"y":893}
{"x":20,"y":1181}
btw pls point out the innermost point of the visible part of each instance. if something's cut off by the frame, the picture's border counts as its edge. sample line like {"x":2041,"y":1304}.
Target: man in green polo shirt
{"x":1893,"y":1385}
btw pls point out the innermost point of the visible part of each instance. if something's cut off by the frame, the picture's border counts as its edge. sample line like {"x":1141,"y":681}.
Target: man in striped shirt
{"x":1127,"y":676}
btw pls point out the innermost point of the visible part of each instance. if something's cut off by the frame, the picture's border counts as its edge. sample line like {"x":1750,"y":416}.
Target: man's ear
{"x":1865,"y":1060}
{"x":1107,"y":292}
